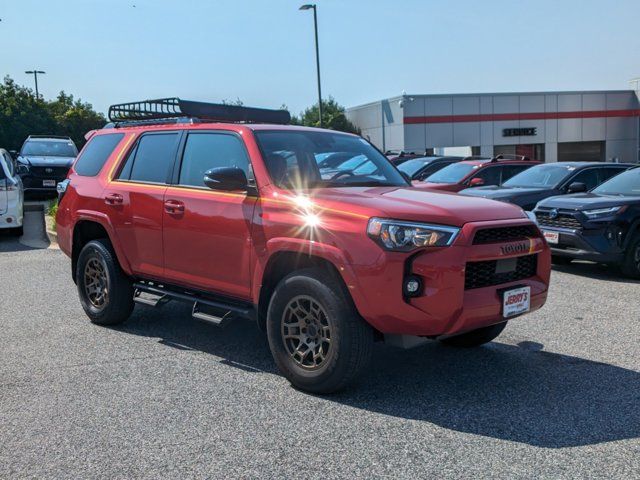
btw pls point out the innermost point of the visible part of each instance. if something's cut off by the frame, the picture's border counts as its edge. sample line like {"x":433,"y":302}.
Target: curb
{"x":51,"y":233}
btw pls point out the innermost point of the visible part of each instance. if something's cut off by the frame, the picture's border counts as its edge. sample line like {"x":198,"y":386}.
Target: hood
{"x":587,"y":201}
{"x":47,"y":161}
{"x":412,"y":204}
{"x":443,"y":187}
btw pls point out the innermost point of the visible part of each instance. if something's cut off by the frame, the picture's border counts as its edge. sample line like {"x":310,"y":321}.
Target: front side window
{"x":291,"y":157}
{"x":152,"y":158}
{"x":49,"y":148}
{"x":95,"y":154}
{"x":490,"y":175}
{"x":589,"y":177}
{"x":204,"y":151}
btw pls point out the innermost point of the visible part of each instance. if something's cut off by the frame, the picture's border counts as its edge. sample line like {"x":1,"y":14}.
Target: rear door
{"x":134,"y":200}
{"x":207,"y":233}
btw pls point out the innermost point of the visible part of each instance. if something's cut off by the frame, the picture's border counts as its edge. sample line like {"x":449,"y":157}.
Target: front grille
{"x":561,"y":221}
{"x":483,"y":274}
{"x":504,"y":234}
{"x":49,"y":172}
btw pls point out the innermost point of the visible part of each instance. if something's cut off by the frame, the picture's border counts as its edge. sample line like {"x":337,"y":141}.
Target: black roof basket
{"x":173,"y":110}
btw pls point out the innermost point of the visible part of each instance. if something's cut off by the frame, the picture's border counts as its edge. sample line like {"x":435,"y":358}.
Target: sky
{"x":262,"y":51}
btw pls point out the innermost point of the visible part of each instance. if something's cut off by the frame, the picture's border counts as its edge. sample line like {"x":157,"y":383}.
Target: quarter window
{"x":204,"y":151}
{"x":95,"y":154}
{"x":152,"y":159}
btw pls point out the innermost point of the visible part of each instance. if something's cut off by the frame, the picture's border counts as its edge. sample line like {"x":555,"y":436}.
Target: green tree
{"x":74,"y":118}
{"x":21,"y":115}
{"x":333,"y":117}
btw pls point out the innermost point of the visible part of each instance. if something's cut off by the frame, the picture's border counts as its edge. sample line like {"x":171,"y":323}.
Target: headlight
{"x":603,"y":212}
{"x":22,"y":168}
{"x":404,"y":236}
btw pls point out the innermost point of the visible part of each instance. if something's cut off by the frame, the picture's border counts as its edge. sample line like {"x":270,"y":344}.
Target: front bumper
{"x":445,"y":306}
{"x":589,"y":245}
{"x":36,"y":182}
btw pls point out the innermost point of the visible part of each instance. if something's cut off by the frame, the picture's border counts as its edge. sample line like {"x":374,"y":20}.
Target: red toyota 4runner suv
{"x":231,"y":213}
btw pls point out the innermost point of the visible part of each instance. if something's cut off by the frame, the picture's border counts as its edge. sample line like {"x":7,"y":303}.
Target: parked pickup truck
{"x":229,"y":211}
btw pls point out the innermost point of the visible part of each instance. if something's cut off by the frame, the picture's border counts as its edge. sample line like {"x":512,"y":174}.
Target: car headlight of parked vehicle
{"x":603,"y":212}
{"x":402,"y":236}
{"x":22,"y":168}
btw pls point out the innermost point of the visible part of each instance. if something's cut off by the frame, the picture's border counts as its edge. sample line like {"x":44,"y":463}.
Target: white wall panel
{"x":622,"y":128}
{"x":593,"y":129}
{"x":569,"y":102}
{"x":439,"y":106}
{"x":569,"y":130}
{"x":466,"y":105}
{"x":551,"y":131}
{"x":532,"y":103}
{"x":466,"y":134}
{"x":440,"y":134}
{"x":623,"y":150}
{"x":594,"y":101}
{"x":505,"y":104}
{"x":415,"y":138}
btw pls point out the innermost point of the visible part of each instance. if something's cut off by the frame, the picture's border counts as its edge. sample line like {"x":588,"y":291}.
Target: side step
{"x":215,"y":311}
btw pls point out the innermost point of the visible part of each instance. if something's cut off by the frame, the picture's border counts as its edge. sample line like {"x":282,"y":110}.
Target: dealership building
{"x":550,"y":126}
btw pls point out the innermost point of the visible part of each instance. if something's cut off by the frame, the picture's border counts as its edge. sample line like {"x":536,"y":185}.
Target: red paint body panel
{"x":222,"y":242}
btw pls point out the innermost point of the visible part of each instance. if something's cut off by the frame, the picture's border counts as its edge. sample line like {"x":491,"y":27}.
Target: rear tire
{"x":475,"y":338}
{"x":316,"y":337}
{"x":106,"y":293}
{"x":631,"y":263}
{"x":558,"y":260}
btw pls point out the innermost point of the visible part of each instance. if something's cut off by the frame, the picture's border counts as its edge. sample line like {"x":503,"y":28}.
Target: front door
{"x":207,"y":233}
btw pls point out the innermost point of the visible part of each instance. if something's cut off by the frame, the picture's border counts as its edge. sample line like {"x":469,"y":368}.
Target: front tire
{"x":106,"y":293}
{"x":475,"y":338}
{"x":316,"y":337}
{"x":631,"y":263}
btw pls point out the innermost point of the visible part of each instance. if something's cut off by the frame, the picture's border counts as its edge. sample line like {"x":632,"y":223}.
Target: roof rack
{"x":509,"y":156}
{"x":175,"y":110}
{"x":56,"y":137}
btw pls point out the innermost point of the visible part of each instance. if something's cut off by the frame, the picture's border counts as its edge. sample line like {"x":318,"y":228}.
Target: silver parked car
{"x":11,"y":194}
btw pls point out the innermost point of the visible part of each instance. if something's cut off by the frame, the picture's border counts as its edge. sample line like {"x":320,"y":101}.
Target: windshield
{"x":627,"y":183}
{"x":295,"y":160}
{"x":544,"y":176}
{"x":410,"y":167}
{"x":452,"y":173}
{"x":44,"y":148}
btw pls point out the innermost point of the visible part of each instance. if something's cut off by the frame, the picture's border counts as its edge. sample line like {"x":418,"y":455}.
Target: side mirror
{"x":476,"y":182}
{"x":577,"y":187}
{"x":226,"y":178}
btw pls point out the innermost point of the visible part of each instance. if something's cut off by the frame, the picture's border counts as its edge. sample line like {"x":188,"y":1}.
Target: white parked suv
{"x":11,"y":194}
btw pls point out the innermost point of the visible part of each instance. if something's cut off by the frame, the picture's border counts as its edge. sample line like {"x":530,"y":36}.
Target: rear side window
{"x":204,"y":151}
{"x":95,"y":154}
{"x":152,"y":158}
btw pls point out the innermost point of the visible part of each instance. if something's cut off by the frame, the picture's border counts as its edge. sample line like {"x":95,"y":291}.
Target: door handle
{"x":113,"y":199}
{"x":173,"y":207}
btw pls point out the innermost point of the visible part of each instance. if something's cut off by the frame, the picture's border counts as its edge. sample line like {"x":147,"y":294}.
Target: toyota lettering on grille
{"x":514,"y":248}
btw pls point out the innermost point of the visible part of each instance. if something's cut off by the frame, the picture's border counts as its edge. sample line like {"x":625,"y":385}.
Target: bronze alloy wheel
{"x":96,"y":283}
{"x":306,"y":332}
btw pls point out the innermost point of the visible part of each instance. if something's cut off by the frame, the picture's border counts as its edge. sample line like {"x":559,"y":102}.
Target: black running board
{"x":223,"y":309}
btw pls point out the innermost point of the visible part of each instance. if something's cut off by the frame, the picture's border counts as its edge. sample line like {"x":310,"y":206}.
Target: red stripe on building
{"x":500,"y":117}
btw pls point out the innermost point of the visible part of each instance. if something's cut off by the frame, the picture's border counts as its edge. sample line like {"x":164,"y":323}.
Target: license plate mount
{"x":551,"y":237}
{"x":516,"y":301}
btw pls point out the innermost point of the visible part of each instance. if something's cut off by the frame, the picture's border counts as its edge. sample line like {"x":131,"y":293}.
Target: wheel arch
{"x":283,"y":262}
{"x":87,"y":229}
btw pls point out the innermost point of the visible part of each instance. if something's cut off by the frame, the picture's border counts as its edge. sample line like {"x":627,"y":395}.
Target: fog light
{"x":412,"y":286}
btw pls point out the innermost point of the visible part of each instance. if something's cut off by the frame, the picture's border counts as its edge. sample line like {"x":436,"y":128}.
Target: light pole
{"x":315,"y":26}
{"x":35,"y":77}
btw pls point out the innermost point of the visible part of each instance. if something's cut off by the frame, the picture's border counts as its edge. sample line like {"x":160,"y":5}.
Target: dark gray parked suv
{"x":44,"y":160}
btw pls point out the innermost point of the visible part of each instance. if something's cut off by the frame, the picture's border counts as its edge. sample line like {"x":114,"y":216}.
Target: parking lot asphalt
{"x":557,"y":395}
